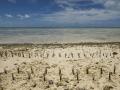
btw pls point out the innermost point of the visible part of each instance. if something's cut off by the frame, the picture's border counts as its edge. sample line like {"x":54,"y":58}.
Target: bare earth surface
{"x":86,"y":66}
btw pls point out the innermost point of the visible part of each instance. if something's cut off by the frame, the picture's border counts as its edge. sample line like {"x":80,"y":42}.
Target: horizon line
{"x":59,"y":27}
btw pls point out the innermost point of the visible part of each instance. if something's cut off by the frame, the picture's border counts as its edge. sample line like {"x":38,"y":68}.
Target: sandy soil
{"x":87,"y":66}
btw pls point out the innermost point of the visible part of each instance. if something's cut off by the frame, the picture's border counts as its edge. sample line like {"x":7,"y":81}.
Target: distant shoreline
{"x":80,"y":43}
{"x":58,"y":36}
{"x":59,"y":27}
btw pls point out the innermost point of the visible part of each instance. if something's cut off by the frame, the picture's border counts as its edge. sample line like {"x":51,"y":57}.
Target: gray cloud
{"x":70,"y":3}
{"x":81,"y":16}
{"x":8,"y":15}
{"x":108,"y":4}
{"x":69,"y":14}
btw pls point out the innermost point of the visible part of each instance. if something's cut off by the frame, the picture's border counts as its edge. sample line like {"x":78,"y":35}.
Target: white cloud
{"x":108,"y":4}
{"x":71,"y":3}
{"x":114,"y":5}
{"x":27,"y":16}
{"x":8,"y":15}
{"x":70,"y":15}
{"x":81,"y":16}
{"x":12,"y":1}
{"x":23,"y":16}
{"x":66,"y":3}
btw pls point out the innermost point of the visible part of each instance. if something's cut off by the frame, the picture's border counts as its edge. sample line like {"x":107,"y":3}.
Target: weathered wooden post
{"x":44,"y":74}
{"x":32,"y":71}
{"x":60,"y":74}
{"x":101,"y":71}
{"x":18,"y":70}
{"x":114,"y":70}
{"x":73,"y":71}
{"x":77,"y":76}
{"x":29,"y":75}
{"x":5,"y":71}
{"x":13,"y":78}
{"x":110,"y":73}
{"x":87,"y":70}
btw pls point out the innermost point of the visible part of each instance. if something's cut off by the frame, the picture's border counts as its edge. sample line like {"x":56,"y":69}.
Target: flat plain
{"x":71,"y":66}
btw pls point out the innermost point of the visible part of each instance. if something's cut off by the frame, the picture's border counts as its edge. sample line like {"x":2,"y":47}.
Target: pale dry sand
{"x":86,"y":66}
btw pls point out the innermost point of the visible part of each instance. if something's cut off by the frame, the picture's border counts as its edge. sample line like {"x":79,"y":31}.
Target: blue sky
{"x":59,"y":13}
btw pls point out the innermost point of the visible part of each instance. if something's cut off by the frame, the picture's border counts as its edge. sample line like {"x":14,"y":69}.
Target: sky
{"x":59,"y":13}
